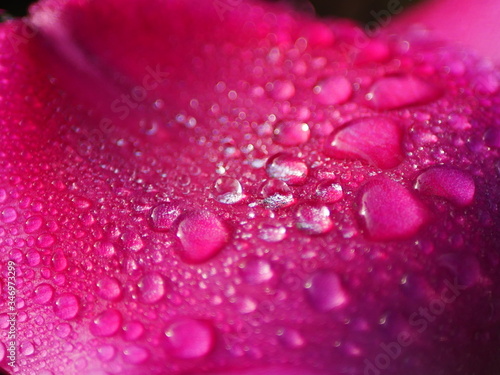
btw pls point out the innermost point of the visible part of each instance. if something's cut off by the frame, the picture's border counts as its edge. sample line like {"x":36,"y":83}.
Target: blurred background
{"x":361,"y":10}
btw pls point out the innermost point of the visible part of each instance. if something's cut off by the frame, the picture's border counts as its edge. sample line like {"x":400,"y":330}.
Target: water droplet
{"x":276,"y":194}
{"x":43,"y":293}
{"x":33,"y":258}
{"x":333,"y":90}
{"x":135,"y":354}
{"x":27,"y":348}
{"x":291,"y":338}
{"x":400,"y":91}
{"x":452,"y":184}
{"x":62,"y":330}
{"x":132,"y":241}
{"x":228,"y":190}
{"x":106,"y":352}
{"x":109,"y":288}
{"x":202,"y":236}
{"x":257,"y":271}
{"x":376,"y":140}
{"x":32,"y":224}
{"x":66,"y":306}
{"x":152,"y":287}
{"x":190,"y":338}
{"x":3,"y":195}
{"x":164,"y":215}
{"x":291,"y":133}
{"x":314,"y":219}
{"x":59,"y":261}
{"x":8,"y":215}
{"x":329,"y":192}
{"x":390,"y":211}
{"x":46,"y":240}
{"x":133,"y":330}
{"x":282,"y":90}
{"x":324,"y":291}
{"x":287,"y":168}
{"x":106,"y":324}
{"x":272,"y":232}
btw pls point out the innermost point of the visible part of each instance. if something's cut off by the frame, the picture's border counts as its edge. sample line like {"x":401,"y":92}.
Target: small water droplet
{"x":202,"y":236}
{"x":314,"y":219}
{"x":164,"y":215}
{"x":291,"y":133}
{"x":62,"y":330}
{"x":135,"y":354}
{"x":450,"y":183}
{"x":43,"y":293}
{"x":152,"y":287}
{"x":329,"y":192}
{"x":33,"y":258}
{"x":46,"y":240}
{"x":132,"y":241}
{"x":189,"y":338}
{"x":133,"y":330}
{"x":325,"y":291}
{"x":376,"y":140}
{"x":287,"y":168}
{"x":106,"y":324}
{"x":228,"y":190}
{"x":277,"y":194}
{"x":400,"y":91}
{"x":8,"y":215}
{"x":66,"y":306}
{"x":32,"y":224}
{"x":390,"y":211}
{"x":257,"y":271}
{"x":109,"y":288}
{"x":333,"y":90}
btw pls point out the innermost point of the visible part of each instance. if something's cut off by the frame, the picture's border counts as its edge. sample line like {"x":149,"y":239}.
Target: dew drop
{"x":8,"y":215}
{"x":202,"y":236}
{"x":329,"y":192}
{"x":109,"y":288}
{"x":276,"y":194}
{"x":333,"y":90}
{"x":152,"y":287}
{"x":282,"y":90}
{"x":62,"y":330}
{"x":27,"y":348}
{"x":228,"y":190}
{"x":106,"y":324}
{"x":272,"y":232}
{"x":257,"y":271}
{"x":324,"y":291}
{"x":46,"y":240}
{"x":32,"y":224}
{"x":43,"y":293}
{"x":164,"y":215}
{"x":106,"y":352}
{"x":313,"y":219}
{"x":33,"y":258}
{"x":66,"y":306}
{"x":291,"y":338}
{"x":133,"y":330}
{"x":59,"y":261}
{"x":135,"y":354}
{"x":376,"y":140}
{"x":287,"y":168}
{"x":189,"y":338}
{"x":291,"y":133}
{"x":132,"y":242}
{"x":452,"y":184}
{"x":390,"y":211}
{"x":400,"y":91}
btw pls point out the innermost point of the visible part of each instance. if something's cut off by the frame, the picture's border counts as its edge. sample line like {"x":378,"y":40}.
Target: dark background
{"x":356,"y":9}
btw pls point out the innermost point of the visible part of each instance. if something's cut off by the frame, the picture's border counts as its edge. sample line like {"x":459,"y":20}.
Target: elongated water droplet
{"x":66,"y":306}
{"x":329,"y":192}
{"x":333,"y":90}
{"x":135,"y":354}
{"x":43,"y":293}
{"x":32,"y":224}
{"x":257,"y":271}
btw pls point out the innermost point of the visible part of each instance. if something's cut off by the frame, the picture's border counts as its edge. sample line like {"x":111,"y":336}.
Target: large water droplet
{"x":257,"y":271}
{"x":190,"y":338}
{"x":164,"y":215}
{"x":228,"y":190}
{"x":333,"y":90}
{"x":287,"y":168}
{"x":66,"y":306}
{"x":106,"y":324}
{"x":202,"y":236}
{"x":452,"y":184}
{"x":109,"y":288}
{"x":329,"y":192}
{"x":324,"y":291}
{"x":390,"y":211}
{"x":43,"y":293}
{"x":276,"y":194}
{"x":152,"y":287}
{"x":400,"y":91}
{"x":376,"y":140}
{"x":291,"y":133}
{"x":314,"y":219}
